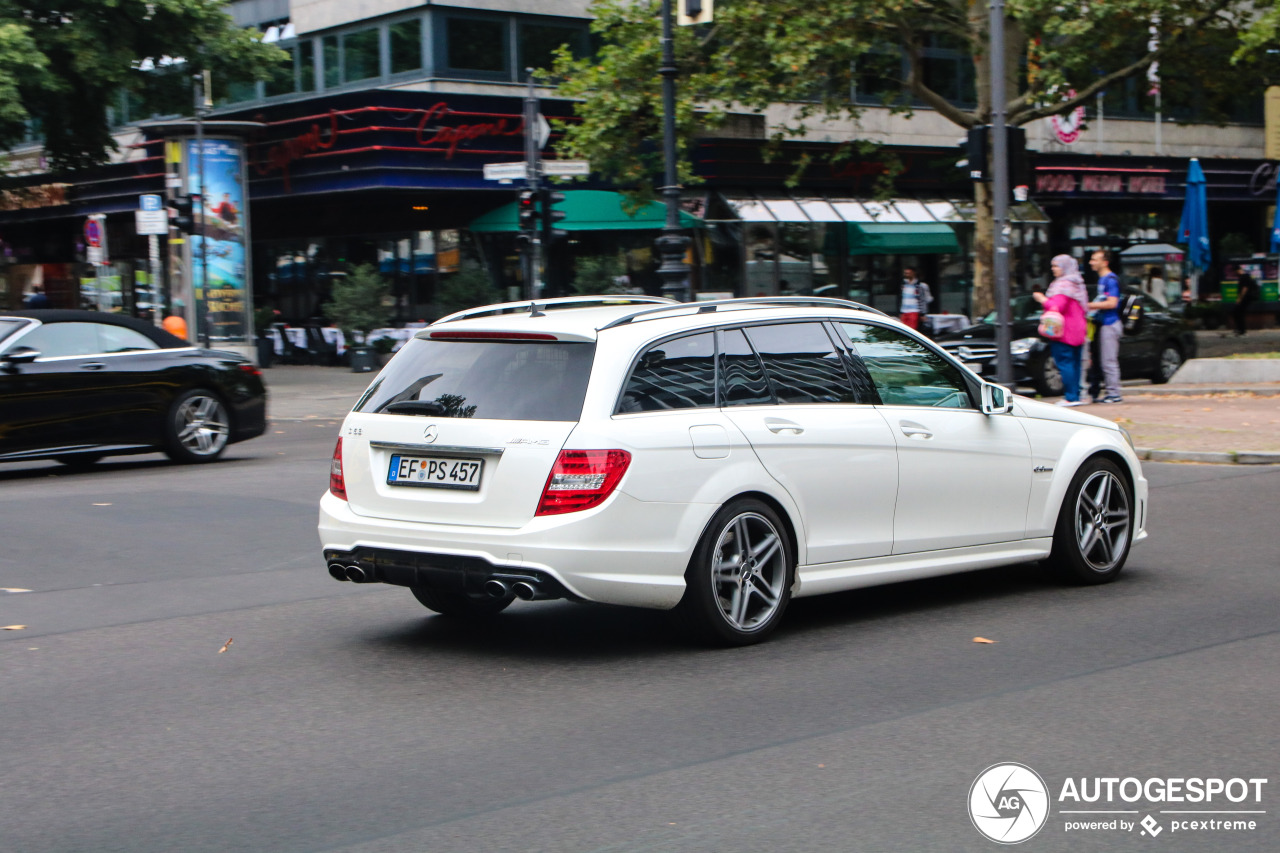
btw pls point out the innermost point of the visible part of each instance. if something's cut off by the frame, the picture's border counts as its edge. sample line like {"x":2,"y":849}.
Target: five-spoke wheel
{"x":739,"y":580}
{"x":1095,"y":525}
{"x":198,"y":427}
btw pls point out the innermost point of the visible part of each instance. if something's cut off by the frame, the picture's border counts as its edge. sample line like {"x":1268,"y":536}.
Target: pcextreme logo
{"x":1009,"y":803}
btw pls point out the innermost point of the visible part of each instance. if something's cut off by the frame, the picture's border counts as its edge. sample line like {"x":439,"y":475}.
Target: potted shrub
{"x":358,"y":306}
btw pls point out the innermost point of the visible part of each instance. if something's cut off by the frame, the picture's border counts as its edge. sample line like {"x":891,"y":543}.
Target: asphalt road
{"x":347,"y":718}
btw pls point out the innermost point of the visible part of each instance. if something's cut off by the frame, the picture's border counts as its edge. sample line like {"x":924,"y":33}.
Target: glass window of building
{"x":405,"y":39}
{"x":475,"y":44}
{"x":332,"y":62}
{"x":360,"y":55}
{"x":538,"y":43}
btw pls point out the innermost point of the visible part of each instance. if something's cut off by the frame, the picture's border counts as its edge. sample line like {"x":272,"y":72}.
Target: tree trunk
{"x":984,"y":293}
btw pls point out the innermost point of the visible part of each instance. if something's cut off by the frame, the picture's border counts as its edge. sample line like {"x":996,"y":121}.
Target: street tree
{"x":811,"y":54}
{"x":65,"y":63}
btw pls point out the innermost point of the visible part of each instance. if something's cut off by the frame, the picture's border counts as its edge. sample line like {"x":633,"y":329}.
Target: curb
{"x":1230,"y":457}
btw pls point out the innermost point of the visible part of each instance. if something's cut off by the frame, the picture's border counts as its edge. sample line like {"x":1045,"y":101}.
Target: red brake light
{"x":581,"y":479}
{"x":252,"y":369}
{"x":492,"y":336}
{"x":337,"y":485}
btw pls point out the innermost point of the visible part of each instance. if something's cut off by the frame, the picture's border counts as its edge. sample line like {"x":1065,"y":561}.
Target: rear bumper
{"x":625,"y":552}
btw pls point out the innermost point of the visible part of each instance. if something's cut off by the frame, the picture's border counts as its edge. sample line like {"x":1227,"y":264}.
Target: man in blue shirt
{"x":1109,"y":327}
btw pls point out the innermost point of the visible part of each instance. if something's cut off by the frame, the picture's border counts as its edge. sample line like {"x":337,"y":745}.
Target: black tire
{"x":1048,"y":380}
{"x":197,"y":427}
{"x":79,"y":461}
{"x":1170,"y":360}
{"x":1095,"y":525}
{"x":459,"y":604}
{"x":720,"y":586}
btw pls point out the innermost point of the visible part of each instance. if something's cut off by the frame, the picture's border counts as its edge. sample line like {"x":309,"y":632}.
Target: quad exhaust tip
{"x":338,"y":571}
{"x":524,"y":590}
{"x":496,"y":588}
{"x":356,"y":574}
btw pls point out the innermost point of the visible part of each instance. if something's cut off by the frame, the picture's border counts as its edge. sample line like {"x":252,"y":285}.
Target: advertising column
{"x":219,"y":249}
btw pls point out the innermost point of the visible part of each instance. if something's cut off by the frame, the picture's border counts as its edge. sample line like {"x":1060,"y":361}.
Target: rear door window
{"x":742,"y":379}
{"x":801,"y":363}
{"x":499,"y":380}
{"x":675,"y":374}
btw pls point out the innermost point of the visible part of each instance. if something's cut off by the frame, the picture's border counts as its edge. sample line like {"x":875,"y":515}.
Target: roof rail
{"x":748,"y":302}
{"x":537,"y":305}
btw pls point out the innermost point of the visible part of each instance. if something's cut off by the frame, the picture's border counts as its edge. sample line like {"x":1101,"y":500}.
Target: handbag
{"x":1052,"y":325}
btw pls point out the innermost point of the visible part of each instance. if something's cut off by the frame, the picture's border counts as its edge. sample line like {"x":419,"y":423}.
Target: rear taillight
{"x":251,"y":369}
{"x":337,"y":485}
{"x":581,"y":479}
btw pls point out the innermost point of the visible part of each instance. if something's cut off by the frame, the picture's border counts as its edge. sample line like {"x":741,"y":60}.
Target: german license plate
{"x":435,"y":472}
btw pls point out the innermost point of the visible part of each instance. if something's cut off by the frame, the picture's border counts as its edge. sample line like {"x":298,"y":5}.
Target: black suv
{"x":1155,"y":344}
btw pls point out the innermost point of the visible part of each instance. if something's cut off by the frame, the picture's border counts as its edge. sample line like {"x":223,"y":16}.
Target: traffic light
{"x":550,"y":216}
{"x":184,"y":219}
{"x":528,"y":210}
{"x":977,"y":151}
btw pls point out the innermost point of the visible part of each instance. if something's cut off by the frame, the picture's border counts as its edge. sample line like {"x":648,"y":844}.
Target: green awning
{"x":589,"y":210}
{"x":901,"y":238}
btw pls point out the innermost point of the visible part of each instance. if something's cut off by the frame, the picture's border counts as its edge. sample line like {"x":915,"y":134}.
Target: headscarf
{"x":1070,"y":282}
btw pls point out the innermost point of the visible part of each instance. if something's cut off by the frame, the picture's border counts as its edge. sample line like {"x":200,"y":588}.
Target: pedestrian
{"x":914,"y":299}
{"x":1066,"y":297}
{"x":1246,"y":293}
{"x":36,"y":299}
{"x":1108,"y":326}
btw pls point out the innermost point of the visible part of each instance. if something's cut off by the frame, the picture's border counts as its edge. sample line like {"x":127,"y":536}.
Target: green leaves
{"x":63,"y":63}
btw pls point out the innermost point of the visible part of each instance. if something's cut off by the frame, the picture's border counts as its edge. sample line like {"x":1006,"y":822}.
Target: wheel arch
{"x":1085,"y":446}
{"x":774,"y":504}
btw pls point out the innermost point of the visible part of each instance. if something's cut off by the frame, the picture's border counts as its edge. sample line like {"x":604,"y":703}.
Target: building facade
{"x":369,"y":147}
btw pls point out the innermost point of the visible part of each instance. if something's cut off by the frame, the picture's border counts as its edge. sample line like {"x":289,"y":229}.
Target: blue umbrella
{"x":1194,"y":228}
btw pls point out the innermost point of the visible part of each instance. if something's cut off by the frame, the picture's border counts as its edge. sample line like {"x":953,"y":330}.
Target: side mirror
{"x":19,"y":355}
{"x":996,"y":399}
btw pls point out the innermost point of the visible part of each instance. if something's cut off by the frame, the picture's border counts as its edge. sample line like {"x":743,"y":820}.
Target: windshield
{"x":1021,"y":307}
{"x":499,"y":380}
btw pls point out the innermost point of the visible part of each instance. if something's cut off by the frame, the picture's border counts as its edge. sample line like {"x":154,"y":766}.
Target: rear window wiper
{"x":416,"y":407}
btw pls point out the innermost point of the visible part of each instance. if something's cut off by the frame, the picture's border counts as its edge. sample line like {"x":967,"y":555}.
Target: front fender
{"x":1064,"y":448}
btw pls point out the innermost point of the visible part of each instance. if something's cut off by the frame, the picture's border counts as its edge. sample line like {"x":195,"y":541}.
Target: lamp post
{"x":1000,"y":195}
{"x":672,"y":243}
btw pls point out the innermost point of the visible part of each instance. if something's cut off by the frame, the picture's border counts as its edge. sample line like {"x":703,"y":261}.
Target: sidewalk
{"x":1168,"y":423}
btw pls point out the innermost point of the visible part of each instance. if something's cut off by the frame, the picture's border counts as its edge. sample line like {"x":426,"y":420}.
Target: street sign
{"x":93,"y":232}
{"x":566,"y":168}
{"x":505,"y":171}
{"x":151,"y":221}
{"x":543,"y":131}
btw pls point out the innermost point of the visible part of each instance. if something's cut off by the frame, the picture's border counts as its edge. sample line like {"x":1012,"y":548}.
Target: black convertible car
{"x":79,"y":385}
{"x":1154,"y":345}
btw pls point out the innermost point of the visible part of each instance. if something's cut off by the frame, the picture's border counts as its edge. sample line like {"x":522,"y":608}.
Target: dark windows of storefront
{"x":405,"y":45}
{"x":360,"y":52}
{"x":472,"y":45}
{"x":538,"y":43}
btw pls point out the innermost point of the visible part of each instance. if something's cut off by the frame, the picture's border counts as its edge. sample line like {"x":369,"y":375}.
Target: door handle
{"x":92,"y":365}
{"x":912,"y":430}
{"x":776,"y":425}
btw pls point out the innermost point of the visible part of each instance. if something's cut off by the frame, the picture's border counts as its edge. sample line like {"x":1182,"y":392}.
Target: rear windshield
{"x":517,"y":381}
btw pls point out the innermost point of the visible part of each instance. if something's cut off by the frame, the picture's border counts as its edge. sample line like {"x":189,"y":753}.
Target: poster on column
{"x":221,"y":297}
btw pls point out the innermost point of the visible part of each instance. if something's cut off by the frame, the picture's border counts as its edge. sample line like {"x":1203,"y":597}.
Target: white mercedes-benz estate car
{"x":718,"y":458}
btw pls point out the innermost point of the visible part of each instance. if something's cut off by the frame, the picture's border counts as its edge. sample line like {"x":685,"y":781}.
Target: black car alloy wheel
{"x":197,"y":428}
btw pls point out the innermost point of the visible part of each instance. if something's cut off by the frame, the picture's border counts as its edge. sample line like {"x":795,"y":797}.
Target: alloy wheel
{"x":202,"y":425}
{"x":1102,"y":521}
{"x":749,"y":571}
{"x":1170,"y":361}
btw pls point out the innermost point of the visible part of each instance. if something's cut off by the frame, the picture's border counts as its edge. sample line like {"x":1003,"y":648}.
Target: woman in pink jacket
{"x":1067,"y":297}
